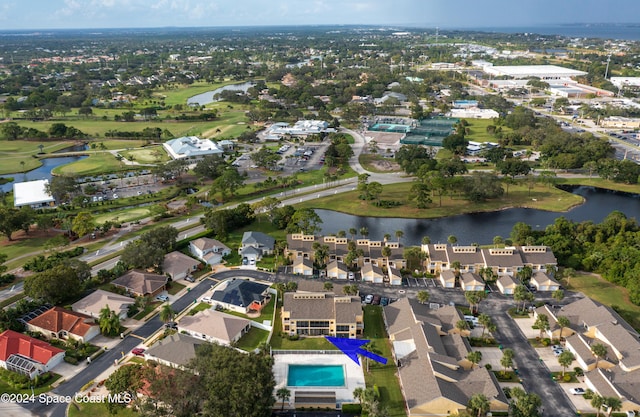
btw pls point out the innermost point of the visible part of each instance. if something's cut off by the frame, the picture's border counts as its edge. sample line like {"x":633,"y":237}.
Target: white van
{"x":472,"y":319}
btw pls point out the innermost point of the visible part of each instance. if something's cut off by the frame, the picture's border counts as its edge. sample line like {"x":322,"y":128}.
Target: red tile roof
{"x":57,"y":319}
{"x":12,"y":343}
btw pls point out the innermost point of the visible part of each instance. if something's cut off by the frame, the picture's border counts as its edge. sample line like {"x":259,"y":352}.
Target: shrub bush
{"x":71,"y":360}
{"x":566,"y":378}
{"x":352,"y":409}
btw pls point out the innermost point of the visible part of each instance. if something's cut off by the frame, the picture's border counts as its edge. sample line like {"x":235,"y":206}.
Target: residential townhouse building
{"x":300,"y":245}
{"x":502,"y":261}
{"x":616,"y":374}
{"x":435,"y":376}
{"x":322,"y":314}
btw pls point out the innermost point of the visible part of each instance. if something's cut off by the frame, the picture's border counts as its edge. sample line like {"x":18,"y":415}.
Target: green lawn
{"x":181,"y":94}
{"x":6,"y":388}
{"x":17,"y":155}
{"x":252,"y":339}
{"x":280,"y":341}
{"x":540,"y":197}
{"x":175,"y":288}
{"x":148,"y":155}
{"x":384,"y":376}
{"x":608,"y":294}
{"x":267,"y":311}
{"x":97,"y":410}
{"x":99,"y":162}
{"x":600,"y":183}
{"x":199,"y":307}
{"x":478,"y":130}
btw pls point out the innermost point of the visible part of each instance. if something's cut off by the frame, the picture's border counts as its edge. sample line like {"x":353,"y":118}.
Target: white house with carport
{"x":543,"y":282}
{"x":372,"y":273}
{"x":255,"y":245}
{"x":303,"y":266}
{"x":470,"y":281}
{"x":33,"y":194}
{"x":395,"y":277}
{"x":337,"y":270}
{"x":506,"y":284}
{"x":208,"y":250}
{"x":448,"y":278}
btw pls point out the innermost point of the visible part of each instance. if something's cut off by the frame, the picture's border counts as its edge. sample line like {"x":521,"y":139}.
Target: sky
{"x":76,"y":14}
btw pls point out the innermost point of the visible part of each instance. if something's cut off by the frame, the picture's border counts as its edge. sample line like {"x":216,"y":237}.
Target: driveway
{"x":536,"y":377}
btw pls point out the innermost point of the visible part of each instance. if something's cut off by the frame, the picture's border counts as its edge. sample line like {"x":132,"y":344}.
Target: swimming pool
{"x":315,"y":376}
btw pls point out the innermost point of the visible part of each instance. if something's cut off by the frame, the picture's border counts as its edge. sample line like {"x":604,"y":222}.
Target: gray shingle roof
{"x":177,"y":348}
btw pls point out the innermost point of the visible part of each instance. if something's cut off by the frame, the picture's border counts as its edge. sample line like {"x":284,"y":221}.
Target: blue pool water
{"x":315,"y":376}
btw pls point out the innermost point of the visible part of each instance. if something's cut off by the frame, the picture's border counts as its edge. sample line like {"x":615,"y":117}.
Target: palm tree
{"x":563,"y":322}
{"x":613,"y":404}
{"x":507,"y":359}
{"x":558,"y":295}
{"x":341,"y":233}
{"x":599,"y":351}
{"x":364,"y":232}
{"x":386,"y":252}
{"x":353,"y":231}
{"x":542,"y":323}
{"x":491,"y":328}
{"x":462,"y":325}
{"x":166,"y":313}
{"x":426,"y":240}
{"x":474,"y":357}
{"x":452,"y":239}
{"x":284,"y":394}
{"x":108,"y":321}
{"x":484,"y":320}
{"x":328,"y":285}
{"x":497,"y":241}
{"x":423,"y":296}
{"x":567,"y":274}
{"x":597,"y":401}
{"x":399,"y":235}
{"x":386,"y":237}
{"x":479,"y":404}
{"x":565,"y":360}
{"x":525,"y":274}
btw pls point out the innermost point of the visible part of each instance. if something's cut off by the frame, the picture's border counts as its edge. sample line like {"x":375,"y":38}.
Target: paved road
{"x":535,"y":375}
{"x":106,"y":360}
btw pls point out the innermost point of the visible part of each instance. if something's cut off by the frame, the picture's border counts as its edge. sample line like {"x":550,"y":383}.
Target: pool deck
{"x":353,"y":374}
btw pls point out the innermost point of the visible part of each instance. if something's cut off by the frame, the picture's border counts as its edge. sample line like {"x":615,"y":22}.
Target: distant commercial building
{"x":620,"y":122}
{"x":32,"y":193}
{"x":301,"y":128}
{"x":544,"y":72}
{"x":626,"y":82}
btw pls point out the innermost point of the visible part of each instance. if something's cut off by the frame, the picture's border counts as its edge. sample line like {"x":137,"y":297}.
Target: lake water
{"x":206,"y":98}
{"x":482,"y":227}
{"x":41,"y":173}
{"x":626,"y":31}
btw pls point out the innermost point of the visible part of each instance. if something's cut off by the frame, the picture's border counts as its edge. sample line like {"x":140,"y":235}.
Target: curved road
{"x":107,"y":359}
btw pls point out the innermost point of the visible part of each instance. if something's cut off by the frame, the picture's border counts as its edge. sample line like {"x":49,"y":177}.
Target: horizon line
{"x":346,"y":25}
